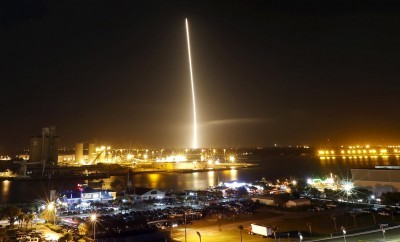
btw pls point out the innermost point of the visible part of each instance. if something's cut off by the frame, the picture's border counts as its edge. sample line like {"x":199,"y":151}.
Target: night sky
{"x":265,"y":72}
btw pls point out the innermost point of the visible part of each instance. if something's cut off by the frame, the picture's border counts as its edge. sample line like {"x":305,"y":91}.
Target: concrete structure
{"x":44,"y":148}
{"x":377,"y":180}
{"x":298,"y":202}
{"x":82,"y":155}
{"x":66,"y":159}
{"x":78,"y":152}
{"x":91,"y":152}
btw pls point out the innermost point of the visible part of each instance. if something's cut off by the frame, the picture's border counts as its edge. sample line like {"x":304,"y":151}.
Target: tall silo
{"x":91,"y":152}
{"x":78,"y":152}
{"x":44,"y":148}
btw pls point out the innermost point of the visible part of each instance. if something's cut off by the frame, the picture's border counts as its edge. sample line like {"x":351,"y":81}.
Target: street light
{"x":348,"y":187}
{"x":51,"y":206}
{"x":93,"y":218}
{"x":198,"y":233}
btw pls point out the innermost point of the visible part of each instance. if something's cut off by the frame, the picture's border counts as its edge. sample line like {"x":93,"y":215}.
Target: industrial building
{"x":85,"y":155}
{"x":44,"y":147}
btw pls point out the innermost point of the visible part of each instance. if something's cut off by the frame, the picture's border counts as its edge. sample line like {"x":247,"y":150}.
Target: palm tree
{"x":390,"y":210}
{"x":20,"y":219}
{"x":240,"y":228}
{"x":83,"y":229}
{"x":354,"y":217}
{"x":309,"y":227}
{"x":29,"y":219}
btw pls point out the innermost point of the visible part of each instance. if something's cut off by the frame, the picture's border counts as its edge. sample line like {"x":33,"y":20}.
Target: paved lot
{"x":224,"y":231}
{"x":230,"y":232}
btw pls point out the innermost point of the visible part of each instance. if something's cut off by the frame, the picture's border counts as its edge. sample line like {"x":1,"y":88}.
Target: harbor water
{"x":270,"y":167}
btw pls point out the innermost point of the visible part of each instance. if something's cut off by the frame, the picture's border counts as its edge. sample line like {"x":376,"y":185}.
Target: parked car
{"x":384,"y":213}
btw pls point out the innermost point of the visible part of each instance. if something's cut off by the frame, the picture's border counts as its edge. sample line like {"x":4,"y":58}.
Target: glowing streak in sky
{"x":193,"y":98}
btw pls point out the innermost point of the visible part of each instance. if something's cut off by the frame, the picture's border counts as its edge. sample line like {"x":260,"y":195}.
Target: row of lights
{"x":357,"y":152}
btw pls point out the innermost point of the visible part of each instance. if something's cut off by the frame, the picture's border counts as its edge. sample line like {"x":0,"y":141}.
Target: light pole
{"x":240,"y":227}
{"x":185,"y":227}
{"x":354,"y":218}
{"x":383,"y":231}
{"x":344,"y":233}
{"x":198,"y":233}
{"x":333,"y":216}
{"x":93,"y":218}
{"x":300,"y":236}
{"x":309,"y":228}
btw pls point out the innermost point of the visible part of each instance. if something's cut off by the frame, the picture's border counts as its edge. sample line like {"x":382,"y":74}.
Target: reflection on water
{"x":177,"y":181}
{"x":211,"y":178}
{"x":232,"y":174}
{"x":5,"y":189}
{"x":270,"y":168}
{"x":154,"y":180}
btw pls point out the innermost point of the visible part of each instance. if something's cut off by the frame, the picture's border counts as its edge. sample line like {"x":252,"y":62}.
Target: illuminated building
{"x":6,"y":157}
{"x":329,"y":183}
{"x":85,"y":195}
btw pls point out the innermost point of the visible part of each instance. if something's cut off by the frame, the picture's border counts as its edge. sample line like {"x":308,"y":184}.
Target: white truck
{"x":262,"y":230}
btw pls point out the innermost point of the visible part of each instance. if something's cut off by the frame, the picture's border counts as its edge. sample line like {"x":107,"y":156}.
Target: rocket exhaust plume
{"x":195,"y":145}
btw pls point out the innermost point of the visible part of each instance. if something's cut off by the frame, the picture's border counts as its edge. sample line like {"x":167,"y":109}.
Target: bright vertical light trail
{"x":195,"y":146}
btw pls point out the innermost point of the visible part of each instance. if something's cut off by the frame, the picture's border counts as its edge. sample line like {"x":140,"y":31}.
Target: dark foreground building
{"x":379,"y":180}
